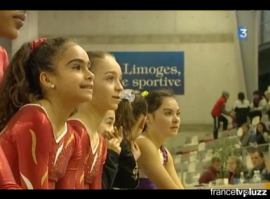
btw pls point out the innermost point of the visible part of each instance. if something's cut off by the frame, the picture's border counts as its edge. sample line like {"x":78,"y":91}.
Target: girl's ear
{"x":142,"y":122}
{"x":148,"y":119}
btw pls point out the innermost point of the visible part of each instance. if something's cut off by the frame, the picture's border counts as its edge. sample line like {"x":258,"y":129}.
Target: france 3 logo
{"x":242,"y":33}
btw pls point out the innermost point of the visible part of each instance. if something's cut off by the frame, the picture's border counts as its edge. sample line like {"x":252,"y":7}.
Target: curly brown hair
{"x":20,"y":83}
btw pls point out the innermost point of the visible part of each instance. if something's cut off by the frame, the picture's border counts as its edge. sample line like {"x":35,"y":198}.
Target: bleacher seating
{"x":194,"y":156}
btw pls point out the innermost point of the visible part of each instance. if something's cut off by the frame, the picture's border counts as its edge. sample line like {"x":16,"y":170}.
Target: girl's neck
{"x":57,"y":111}
{"x":90,"y":116}
{"x":155,"y":137}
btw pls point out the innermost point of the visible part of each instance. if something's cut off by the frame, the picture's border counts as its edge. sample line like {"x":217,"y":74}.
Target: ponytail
{"x":124,"y":117}
{"x":14,"y":88}
{"x":128,"y":113}
{"x":241,"y":97}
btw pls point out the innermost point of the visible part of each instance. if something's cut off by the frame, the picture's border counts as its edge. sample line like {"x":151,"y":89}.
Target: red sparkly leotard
{"x":7,"y":180}
{"x":37,"y":159}
{"x":91,"y":166}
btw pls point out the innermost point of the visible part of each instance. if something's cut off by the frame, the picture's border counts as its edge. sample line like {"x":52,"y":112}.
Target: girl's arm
{"x":172,"y":172}
{"x":150,"y":163}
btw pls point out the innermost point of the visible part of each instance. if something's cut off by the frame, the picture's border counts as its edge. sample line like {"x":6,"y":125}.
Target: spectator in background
{"x":267,"y":97}
{"x":258,"y":106}
{"x":234,"y":166}
{"x":11,"y":21}
{"x":245,"y":137}
{"x":241,"y":109}
{"x":261,"y":164}
{"x":258,"y":138}
{"x":210,"y":174}
{"x":217,"y":111}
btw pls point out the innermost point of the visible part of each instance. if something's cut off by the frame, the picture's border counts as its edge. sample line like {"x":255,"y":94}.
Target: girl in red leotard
{"x":10,"y":23}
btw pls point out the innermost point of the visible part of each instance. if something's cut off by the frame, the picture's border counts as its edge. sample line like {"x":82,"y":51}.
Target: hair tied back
{"x":128,"y":95}
{"x":144,"y":93}
{"x":36,"y":43}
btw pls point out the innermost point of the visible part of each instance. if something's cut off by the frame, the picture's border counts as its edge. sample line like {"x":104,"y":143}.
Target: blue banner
{"x":152,"y":70}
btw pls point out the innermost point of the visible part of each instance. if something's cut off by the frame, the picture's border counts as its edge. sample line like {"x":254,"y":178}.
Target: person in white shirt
{"x":258,"y":106}
{"x":241,"y":109}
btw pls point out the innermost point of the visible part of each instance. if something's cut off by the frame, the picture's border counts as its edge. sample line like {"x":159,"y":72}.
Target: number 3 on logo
{"x":242,"y":33}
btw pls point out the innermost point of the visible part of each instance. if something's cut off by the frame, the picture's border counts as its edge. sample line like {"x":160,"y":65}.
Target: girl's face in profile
{"x":166,"y":118}
{"x":108,"y":84}
{"x":74,"y":80}
{"x":11,"y":21}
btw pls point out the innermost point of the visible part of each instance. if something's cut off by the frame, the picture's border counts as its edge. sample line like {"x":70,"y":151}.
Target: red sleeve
{"x":206,"y":177}
{"x":33,"y":140}
{"x":79,"y":182}
{"x":4,"y":57}
{"x":5,"y":60}
{"x":98,"y":181}
{"x":222,"y":101}
{"x":68,"y":182}
{"x":7,"y":180}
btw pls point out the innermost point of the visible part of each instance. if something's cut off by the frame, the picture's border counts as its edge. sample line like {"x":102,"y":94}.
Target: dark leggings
{"x":217,"y":121}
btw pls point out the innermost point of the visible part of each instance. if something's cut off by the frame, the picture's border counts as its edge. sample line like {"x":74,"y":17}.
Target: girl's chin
{"x":172,"y":134}
{"x":113,"y":107}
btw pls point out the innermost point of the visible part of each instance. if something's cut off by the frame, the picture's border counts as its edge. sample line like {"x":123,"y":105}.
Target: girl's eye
{"x":110,"y":78}
{"x":77,"y":67}
{"x":167,"y":113}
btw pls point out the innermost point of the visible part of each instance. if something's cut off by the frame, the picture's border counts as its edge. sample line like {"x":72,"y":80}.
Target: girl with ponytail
{"x":42,"y":85}
{"x":131,"y":116}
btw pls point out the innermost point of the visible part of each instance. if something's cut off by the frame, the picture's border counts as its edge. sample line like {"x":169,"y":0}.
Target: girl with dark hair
{"x":260,"y":137}
{"x":10,"y":23}
{"x":156,"y":166}
{"x":44,"y":82}
{"x":131,"y":115}
{"x":241,"y":109}
{"x":89,"y":116}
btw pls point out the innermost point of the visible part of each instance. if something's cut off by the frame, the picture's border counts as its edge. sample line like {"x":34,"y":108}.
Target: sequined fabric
{"x":164,"y":153}
{"x":36,"y":158}
{"x":92,"y":163}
